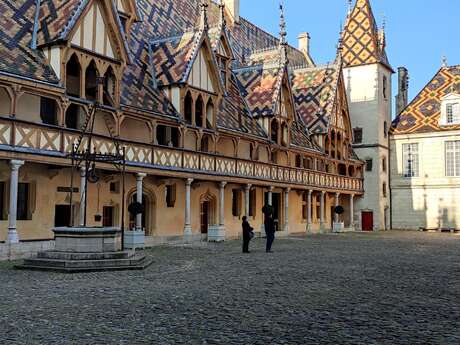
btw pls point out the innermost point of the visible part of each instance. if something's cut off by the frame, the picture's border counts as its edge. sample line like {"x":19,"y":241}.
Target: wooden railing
{"x":51,"y":139}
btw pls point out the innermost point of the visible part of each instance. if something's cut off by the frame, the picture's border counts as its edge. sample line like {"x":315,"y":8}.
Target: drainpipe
{"x":33,"y":45}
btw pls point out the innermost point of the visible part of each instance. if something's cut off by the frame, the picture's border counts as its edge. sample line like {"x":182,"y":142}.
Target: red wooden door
{"x":367,"y":221}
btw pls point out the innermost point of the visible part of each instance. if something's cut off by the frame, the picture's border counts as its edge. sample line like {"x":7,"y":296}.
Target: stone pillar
{"x":247,"y":189}
{"x":188,"y":224}
{"x":309,"y":221}
{"x":270,"y":196}
{"x":222,"y":204}
{"x":12,"y":216}
{"x":286,"y":209}
{"x":336,"y":216}
{"x":352,"y":212}
{"x":139,"y":180}
{"x":82,"y":195}
{"x":321,"y":222}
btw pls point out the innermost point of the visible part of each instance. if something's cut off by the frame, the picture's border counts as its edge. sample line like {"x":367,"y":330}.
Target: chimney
{"x":304,"y":43}
{"x":403,"y":88}
{"x":233,"y":7}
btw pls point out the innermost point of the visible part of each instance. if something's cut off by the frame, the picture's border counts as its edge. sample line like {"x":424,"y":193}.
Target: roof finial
{"x":204,"y":26}
{"x":282,"y":25}
{"x":444,"y":61}
{"x":350,"y":6}
{"x":283,"y":34}
{"x":222,"y":21}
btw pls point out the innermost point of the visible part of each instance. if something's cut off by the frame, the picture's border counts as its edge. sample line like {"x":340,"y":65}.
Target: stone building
{"x":217,"y":118}
{"x":425,"y":156}
{"x":367,"y":75}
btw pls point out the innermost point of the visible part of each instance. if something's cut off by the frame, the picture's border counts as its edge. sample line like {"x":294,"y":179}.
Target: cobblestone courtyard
{"x":387,"y":288}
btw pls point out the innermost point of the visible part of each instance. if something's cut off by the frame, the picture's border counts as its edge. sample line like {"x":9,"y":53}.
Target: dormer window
{"x":453,"y":113}
{"x":450,"y":110}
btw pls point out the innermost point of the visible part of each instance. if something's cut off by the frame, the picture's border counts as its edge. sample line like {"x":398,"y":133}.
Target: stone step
{"x":138,"y":261}
{"x":55,"y":255}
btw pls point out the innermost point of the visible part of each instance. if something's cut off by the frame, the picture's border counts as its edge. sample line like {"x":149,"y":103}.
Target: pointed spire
{"x":204,"y":25}
{"x":363,"y":43}
{"x":222,"y":21}
{"x":283,"y":34}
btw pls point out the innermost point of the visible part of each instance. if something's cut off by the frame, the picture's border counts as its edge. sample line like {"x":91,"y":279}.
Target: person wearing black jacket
{"x":269,"y":231}
{"x":247,"y":231}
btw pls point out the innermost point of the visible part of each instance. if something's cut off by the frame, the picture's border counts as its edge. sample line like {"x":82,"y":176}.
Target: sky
{"x":419,"y":32}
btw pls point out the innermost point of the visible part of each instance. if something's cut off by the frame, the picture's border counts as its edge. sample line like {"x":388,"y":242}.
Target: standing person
{"x":269,"y":231}
{"x":247,"y":234}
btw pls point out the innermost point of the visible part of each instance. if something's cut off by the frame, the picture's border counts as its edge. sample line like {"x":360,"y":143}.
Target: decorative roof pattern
{"x":231,"y":106}
{"x":260,"y":88}
{"x":361,"y":44}
{"x":315,"y":91}
{"x":16,"y":56}
{"x":300,"y":137}
{"x":56,"y":17}
{"x":423,"y":113}
{"x":171,"y":57}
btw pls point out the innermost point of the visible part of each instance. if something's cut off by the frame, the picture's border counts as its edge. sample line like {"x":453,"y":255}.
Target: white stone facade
{"x":370,"y":98}
{"x":430,"y":200}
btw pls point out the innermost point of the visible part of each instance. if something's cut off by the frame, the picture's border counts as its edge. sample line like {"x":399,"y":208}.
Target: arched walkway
{"x":149,"y":215}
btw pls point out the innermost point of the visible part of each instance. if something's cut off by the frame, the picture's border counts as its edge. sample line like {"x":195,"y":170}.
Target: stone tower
{"x":367,"y":75}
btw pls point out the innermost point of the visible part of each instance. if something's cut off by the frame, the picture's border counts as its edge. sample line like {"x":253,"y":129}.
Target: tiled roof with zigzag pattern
{"x":422,"y":115}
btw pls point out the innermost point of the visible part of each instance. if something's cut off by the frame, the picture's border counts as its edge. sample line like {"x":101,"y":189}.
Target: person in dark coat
{"x":247,"y":231}
{"x":269,"y":231}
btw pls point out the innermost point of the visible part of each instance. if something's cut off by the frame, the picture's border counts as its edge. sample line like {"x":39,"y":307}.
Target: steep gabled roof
{"x":362,"y":43}
{"x":423,"y":113}
{"x":172,"y":57}
{"x":16,"y":55}
{"x":315,"y":93}
{"x":57,"y":19}
{"x":233,"y":105}
{"x":260,"y":86}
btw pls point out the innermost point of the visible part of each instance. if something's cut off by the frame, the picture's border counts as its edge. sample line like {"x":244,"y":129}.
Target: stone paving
{"x":385,"y":288}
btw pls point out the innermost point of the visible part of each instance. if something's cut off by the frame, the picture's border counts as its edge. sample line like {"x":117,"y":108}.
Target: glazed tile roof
{"x":315,"y":91}
{"x":260,"y":87}
{"x":57,"y":17}
{"x":362,"y":43}
{"x":231,"y":106}
{"x":16,"y":56}
{"x":172,"y":57}
{"x":300,"y":137}
{"x":423,"y":113}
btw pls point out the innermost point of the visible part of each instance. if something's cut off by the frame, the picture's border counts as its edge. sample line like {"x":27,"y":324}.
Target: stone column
{"x":188,"y":224}
{"x":352,"y":212}
{"x":286,"y":209}
{"x":12,"y":216}
{"x":139,"y":180}
{"x":82,"y":195}
{"x":321,"y":222}
{"x":309,"y":222}
{"x":270,"y":196}
{"x":222,"y":204}
{"x":336,"y":216}
{"x":247,"y":189}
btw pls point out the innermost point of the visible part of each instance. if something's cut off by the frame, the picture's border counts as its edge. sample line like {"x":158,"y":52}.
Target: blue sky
{"x":419,"y":32}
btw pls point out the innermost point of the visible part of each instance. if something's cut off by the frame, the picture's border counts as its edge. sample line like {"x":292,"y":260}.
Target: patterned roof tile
{"x":16,"y":56}
{"x":423,"y":113}
{"x":315,"y":91}
{"x":362,"y":43}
